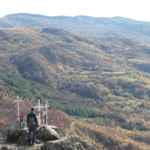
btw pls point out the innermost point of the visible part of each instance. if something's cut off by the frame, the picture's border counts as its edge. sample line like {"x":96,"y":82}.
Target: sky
{"x":135,"y":9}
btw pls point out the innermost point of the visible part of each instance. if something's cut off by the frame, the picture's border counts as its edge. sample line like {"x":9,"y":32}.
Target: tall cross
{"x":46,"y":114}
{"x":18,"y":100}
{"x":42,"y":118}
{"x":39,"y":111}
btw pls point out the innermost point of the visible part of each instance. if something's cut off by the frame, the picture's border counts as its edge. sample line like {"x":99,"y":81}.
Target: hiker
{"x":32,"y":124}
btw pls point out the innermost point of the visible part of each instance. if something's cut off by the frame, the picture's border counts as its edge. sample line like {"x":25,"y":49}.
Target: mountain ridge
{"x":75,"y":16}
{"x":94,"y":28}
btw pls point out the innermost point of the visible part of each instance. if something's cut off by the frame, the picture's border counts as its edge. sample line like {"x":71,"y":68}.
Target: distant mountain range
{"x":84,"y":25}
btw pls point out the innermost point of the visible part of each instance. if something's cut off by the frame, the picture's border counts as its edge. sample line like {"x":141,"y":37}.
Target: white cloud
{"x":137,"y":9}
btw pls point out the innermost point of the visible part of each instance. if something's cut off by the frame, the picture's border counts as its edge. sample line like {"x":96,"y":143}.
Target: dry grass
{"x":109,"y":138}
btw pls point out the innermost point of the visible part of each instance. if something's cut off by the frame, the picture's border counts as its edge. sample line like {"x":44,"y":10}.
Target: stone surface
{"x":20,"y":137}
{"x":23,"y":139}
{"x":47,"y":133}
{"x":13,"y":135}
{"x":68,"y":143}
{"x":18,"y":147}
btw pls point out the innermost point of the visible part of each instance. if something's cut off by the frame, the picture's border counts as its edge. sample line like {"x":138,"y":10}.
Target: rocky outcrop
{"x":20,"y":137}
{"x":49,"y":139}
{"x":68,"y":143}
{"x":47,"y":133}
{"x":13,"y":135}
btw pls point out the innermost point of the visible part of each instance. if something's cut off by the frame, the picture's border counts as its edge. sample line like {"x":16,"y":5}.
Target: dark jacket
{"x":32,"y":120}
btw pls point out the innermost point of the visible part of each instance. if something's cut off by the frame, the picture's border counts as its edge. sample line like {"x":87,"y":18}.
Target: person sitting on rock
{"x":32,"y":125}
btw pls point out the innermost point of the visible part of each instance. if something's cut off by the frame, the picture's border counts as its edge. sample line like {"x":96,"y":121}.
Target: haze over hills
{"x":85,"y":25}
{"x":97,"y":69}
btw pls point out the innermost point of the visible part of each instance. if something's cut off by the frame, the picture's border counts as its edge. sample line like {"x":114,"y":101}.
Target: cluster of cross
{"x":41,"y":111}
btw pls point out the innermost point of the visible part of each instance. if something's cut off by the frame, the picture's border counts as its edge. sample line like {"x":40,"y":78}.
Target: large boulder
{"x":23,"y":139}
{"x":47,"y":133}
{"x":13,"y":135}
{"x":68,"y":143}
{"x":17,"y":136}
{"x":44,"y":133}
{"x":4,"y":148}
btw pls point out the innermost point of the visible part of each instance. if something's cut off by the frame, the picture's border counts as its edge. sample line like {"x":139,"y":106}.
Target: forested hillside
{"x":96,"y":69}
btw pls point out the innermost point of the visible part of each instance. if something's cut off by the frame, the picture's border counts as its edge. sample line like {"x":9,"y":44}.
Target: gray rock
{"x":4,"y":148}
{"x":68,"y":143}
{"x":23,"y":139}
{"x":13,"y":135}
{"x":47,"y":133}
{"x":17,"y":136}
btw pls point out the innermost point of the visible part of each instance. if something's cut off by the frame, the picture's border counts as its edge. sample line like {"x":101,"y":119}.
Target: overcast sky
{"x":136,"y":9}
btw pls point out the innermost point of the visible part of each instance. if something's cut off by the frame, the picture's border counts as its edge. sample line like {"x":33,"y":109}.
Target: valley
{"x":93,"y":71}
